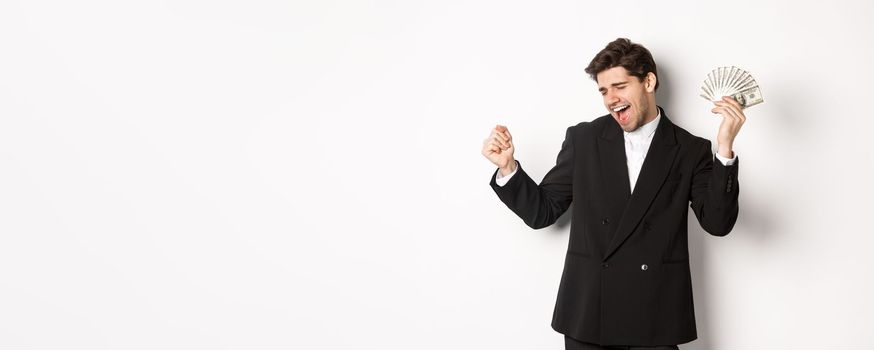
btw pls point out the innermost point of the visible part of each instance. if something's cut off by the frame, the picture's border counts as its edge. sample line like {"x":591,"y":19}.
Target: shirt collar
{"x":646,"y":130}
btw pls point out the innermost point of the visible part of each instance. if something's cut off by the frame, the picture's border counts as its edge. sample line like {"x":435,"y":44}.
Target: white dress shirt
{"x":636,"y":146}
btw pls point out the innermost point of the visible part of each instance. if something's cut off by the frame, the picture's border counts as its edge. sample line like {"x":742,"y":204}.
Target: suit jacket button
{"x":606,"y":221}
{"x":644,"y":267}
{"x":605,"y":265}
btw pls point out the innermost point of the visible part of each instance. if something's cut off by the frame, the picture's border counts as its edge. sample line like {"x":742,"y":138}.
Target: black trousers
{"x":573,"y":344}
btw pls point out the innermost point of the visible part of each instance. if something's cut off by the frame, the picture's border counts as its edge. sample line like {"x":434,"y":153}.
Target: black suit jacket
{"x":626,"y":278}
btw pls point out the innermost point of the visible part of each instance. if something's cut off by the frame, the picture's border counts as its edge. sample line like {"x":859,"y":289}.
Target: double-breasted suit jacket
{"x":626,"y":278}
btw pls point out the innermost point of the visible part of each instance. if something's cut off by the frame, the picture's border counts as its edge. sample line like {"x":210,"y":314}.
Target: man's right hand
{"x":498,"y":148}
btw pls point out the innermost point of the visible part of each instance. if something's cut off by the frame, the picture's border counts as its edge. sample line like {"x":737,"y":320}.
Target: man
{"x":626,"y":282}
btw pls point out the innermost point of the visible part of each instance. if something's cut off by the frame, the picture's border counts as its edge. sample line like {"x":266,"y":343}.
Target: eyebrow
{"x":614,"y":84}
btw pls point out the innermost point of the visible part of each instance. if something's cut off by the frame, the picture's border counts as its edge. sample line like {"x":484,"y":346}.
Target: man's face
{"x":630,"y":101}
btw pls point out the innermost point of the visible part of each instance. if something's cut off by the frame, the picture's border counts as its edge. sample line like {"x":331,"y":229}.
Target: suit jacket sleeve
{"x":715,"y":193}
{"x":541,"y":205}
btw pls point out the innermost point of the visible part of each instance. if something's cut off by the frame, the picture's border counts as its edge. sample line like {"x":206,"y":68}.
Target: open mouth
{"x":622,"y":112}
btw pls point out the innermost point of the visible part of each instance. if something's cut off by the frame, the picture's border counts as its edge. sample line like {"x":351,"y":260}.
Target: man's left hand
{"x":732,"y":119}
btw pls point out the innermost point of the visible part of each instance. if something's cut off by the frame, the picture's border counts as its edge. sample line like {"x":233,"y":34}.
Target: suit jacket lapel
{"x":656,"y":167}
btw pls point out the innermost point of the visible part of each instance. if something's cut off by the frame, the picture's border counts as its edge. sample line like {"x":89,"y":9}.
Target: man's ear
{"x":650,"y":82}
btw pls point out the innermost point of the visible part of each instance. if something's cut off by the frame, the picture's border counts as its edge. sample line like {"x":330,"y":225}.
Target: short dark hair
{"x":635,"y":58}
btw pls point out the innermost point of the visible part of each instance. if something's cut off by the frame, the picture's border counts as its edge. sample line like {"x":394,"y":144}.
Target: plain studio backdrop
{"x":307,"y":175}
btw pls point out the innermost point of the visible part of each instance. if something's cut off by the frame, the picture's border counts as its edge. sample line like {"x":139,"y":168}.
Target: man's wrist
{"x":510,"y":168}
{"x":725,"y":151}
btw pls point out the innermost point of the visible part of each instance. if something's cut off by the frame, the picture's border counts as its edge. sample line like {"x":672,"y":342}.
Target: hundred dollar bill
{"x":749,"y":97}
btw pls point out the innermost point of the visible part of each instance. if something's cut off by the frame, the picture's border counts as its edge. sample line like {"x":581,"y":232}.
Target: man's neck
{"x":651,"y":113}
{"x":646,"y":127}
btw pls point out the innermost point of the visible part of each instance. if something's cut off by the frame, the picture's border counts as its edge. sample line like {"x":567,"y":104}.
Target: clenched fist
{"x":498,"y":148}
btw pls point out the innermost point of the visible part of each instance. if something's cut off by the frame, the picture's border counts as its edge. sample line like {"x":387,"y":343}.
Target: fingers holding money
{"x":729,"y":107}
{"x":733,"y":119}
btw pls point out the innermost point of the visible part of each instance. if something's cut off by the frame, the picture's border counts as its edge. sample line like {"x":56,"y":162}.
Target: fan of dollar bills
{"x":733,"y":82}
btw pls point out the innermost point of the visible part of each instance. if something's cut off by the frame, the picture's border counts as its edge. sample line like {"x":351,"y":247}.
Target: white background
{"x":307,"y":175}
